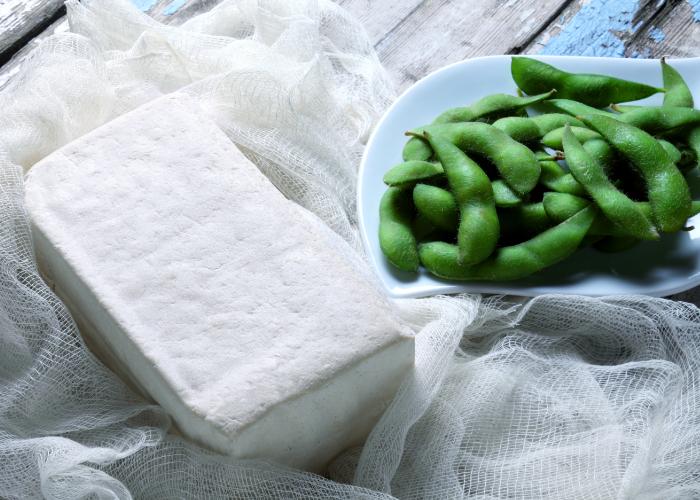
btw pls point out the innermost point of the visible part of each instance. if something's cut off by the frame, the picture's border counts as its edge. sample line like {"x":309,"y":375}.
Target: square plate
{"x":660,"y":268}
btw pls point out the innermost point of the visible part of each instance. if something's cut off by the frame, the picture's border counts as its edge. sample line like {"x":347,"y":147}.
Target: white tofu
{"x":228,"y":304}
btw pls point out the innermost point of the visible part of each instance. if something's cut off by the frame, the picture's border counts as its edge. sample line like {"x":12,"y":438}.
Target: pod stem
{"x":419,"y":135}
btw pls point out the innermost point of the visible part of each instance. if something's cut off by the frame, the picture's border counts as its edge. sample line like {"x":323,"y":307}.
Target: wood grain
{"x":380,"y":17}
{"x":439,"y":32}
{"x":602,"y":28}
{"x":21,"y":18}
{"x":673,"y":32}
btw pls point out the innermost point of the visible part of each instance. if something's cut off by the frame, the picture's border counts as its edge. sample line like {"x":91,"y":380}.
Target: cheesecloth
{"x":556,"y":397}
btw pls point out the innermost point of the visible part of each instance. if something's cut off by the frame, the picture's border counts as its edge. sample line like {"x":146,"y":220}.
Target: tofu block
{"x":191,"y":275}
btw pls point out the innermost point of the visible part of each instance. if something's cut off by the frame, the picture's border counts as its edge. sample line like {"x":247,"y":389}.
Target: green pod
{"x":523,"y":221}
{"x":436,"y":205}
{"x":575,"y":108}
{"x":667,"y":190}
{"x":554,"y":138}
{"x":692,"y":138}
{"x":672,"y":151}
{"x":416,"y":150}
{"x":395,"y":236}
{"x":515,"y":162}
{"x":549,"y":121}
{"x":624,"y":108}
{"x":479,"y":228}
{"x":534,"y":128}
{"x":679,"y":95}
{"x":658,"y":119}
{"x":677,"y":92}
{"x":504,"y":195}
{"x":555,"y":178}
{"x":512,"y":262}
{"x":601,"y":151}
{"x":409,"y":173}
{"x":534,"y":77}
{"x":614,"y":204}
{"x":519,"y":129}
{"x":561,"y":206}
{"x":494,"y":104}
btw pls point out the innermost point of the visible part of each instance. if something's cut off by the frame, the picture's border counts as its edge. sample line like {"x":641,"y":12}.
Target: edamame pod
{"x":437,"y":205}
{"x":672,"y":151}
{"x":416,"y":150}
{"x":657,"y":119}
{"x":557,"y":179}
{"x":395,"y":236}
{"x":601,"y":151}
{"x":561,"y":206}
{"x":575,"y":108}
{"x":523,"y":221}
{"x":513,"y":262}
{"x":535,"y":76}
{"x":613,"y":203}
{"x":692,"y":137}
{"x":515,"y":162}
{"x":677,"y":91}
{"x":679,"y":95}
{"x":621,"y":108}
{"x":479,"y":228}
{"x":554,"y":138}
{"x":504,"y":195}
{"x":535,"y":127}
{"x":408,"y":173}
{"x":667,"y":189}
{"x":495,"y":104}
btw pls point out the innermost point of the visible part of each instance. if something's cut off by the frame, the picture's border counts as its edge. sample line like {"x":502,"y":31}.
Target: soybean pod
{"x":408,"y":173}
{"x":535,"y":77}
{"x":561,"y":206}
{"x":554,"y":138}
{"x":495,"y":104}
{"x":667,"y":189}
{"x":479,"y":228}
{"x":613,"y":203}
{"x":534,"y":128}
{"x":515,"y":162}
{"x":436,"y":205}
{"x":504,"y":195}
{"x":677,"y":91}
{"x":555,"y":178}
{"x":512,"y":262}
{"x":395,"y":236}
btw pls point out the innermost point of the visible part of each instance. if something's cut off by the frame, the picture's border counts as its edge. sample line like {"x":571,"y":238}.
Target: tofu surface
{"x":191,"y":275}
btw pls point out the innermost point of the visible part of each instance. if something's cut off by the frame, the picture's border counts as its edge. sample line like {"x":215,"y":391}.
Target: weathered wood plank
{"x":380,"y":17}
{"x":675,"y":31}
{"x":166,"y":11}
{"x":20,"y":20}
{"x":602,"y":28}
{"x":11,"y":67}
{"x":439,"y":32}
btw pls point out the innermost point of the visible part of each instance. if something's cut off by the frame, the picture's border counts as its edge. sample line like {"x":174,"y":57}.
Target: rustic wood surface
{"x":21,"y":19}
{"x":415,"y":37}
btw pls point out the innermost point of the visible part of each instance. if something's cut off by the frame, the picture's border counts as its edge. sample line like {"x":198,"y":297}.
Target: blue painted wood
{"x":594,"y":30}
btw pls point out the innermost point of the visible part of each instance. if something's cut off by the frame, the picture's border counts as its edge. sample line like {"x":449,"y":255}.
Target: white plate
{"x":652,"y":268}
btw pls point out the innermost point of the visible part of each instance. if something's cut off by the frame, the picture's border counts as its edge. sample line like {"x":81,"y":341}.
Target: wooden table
{"x":415,"y":37}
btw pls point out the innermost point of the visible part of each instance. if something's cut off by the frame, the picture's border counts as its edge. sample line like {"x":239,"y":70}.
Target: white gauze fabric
{"x":557,"y":397}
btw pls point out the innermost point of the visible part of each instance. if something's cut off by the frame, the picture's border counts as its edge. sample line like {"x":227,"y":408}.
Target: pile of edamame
{"x":490,"y":192}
